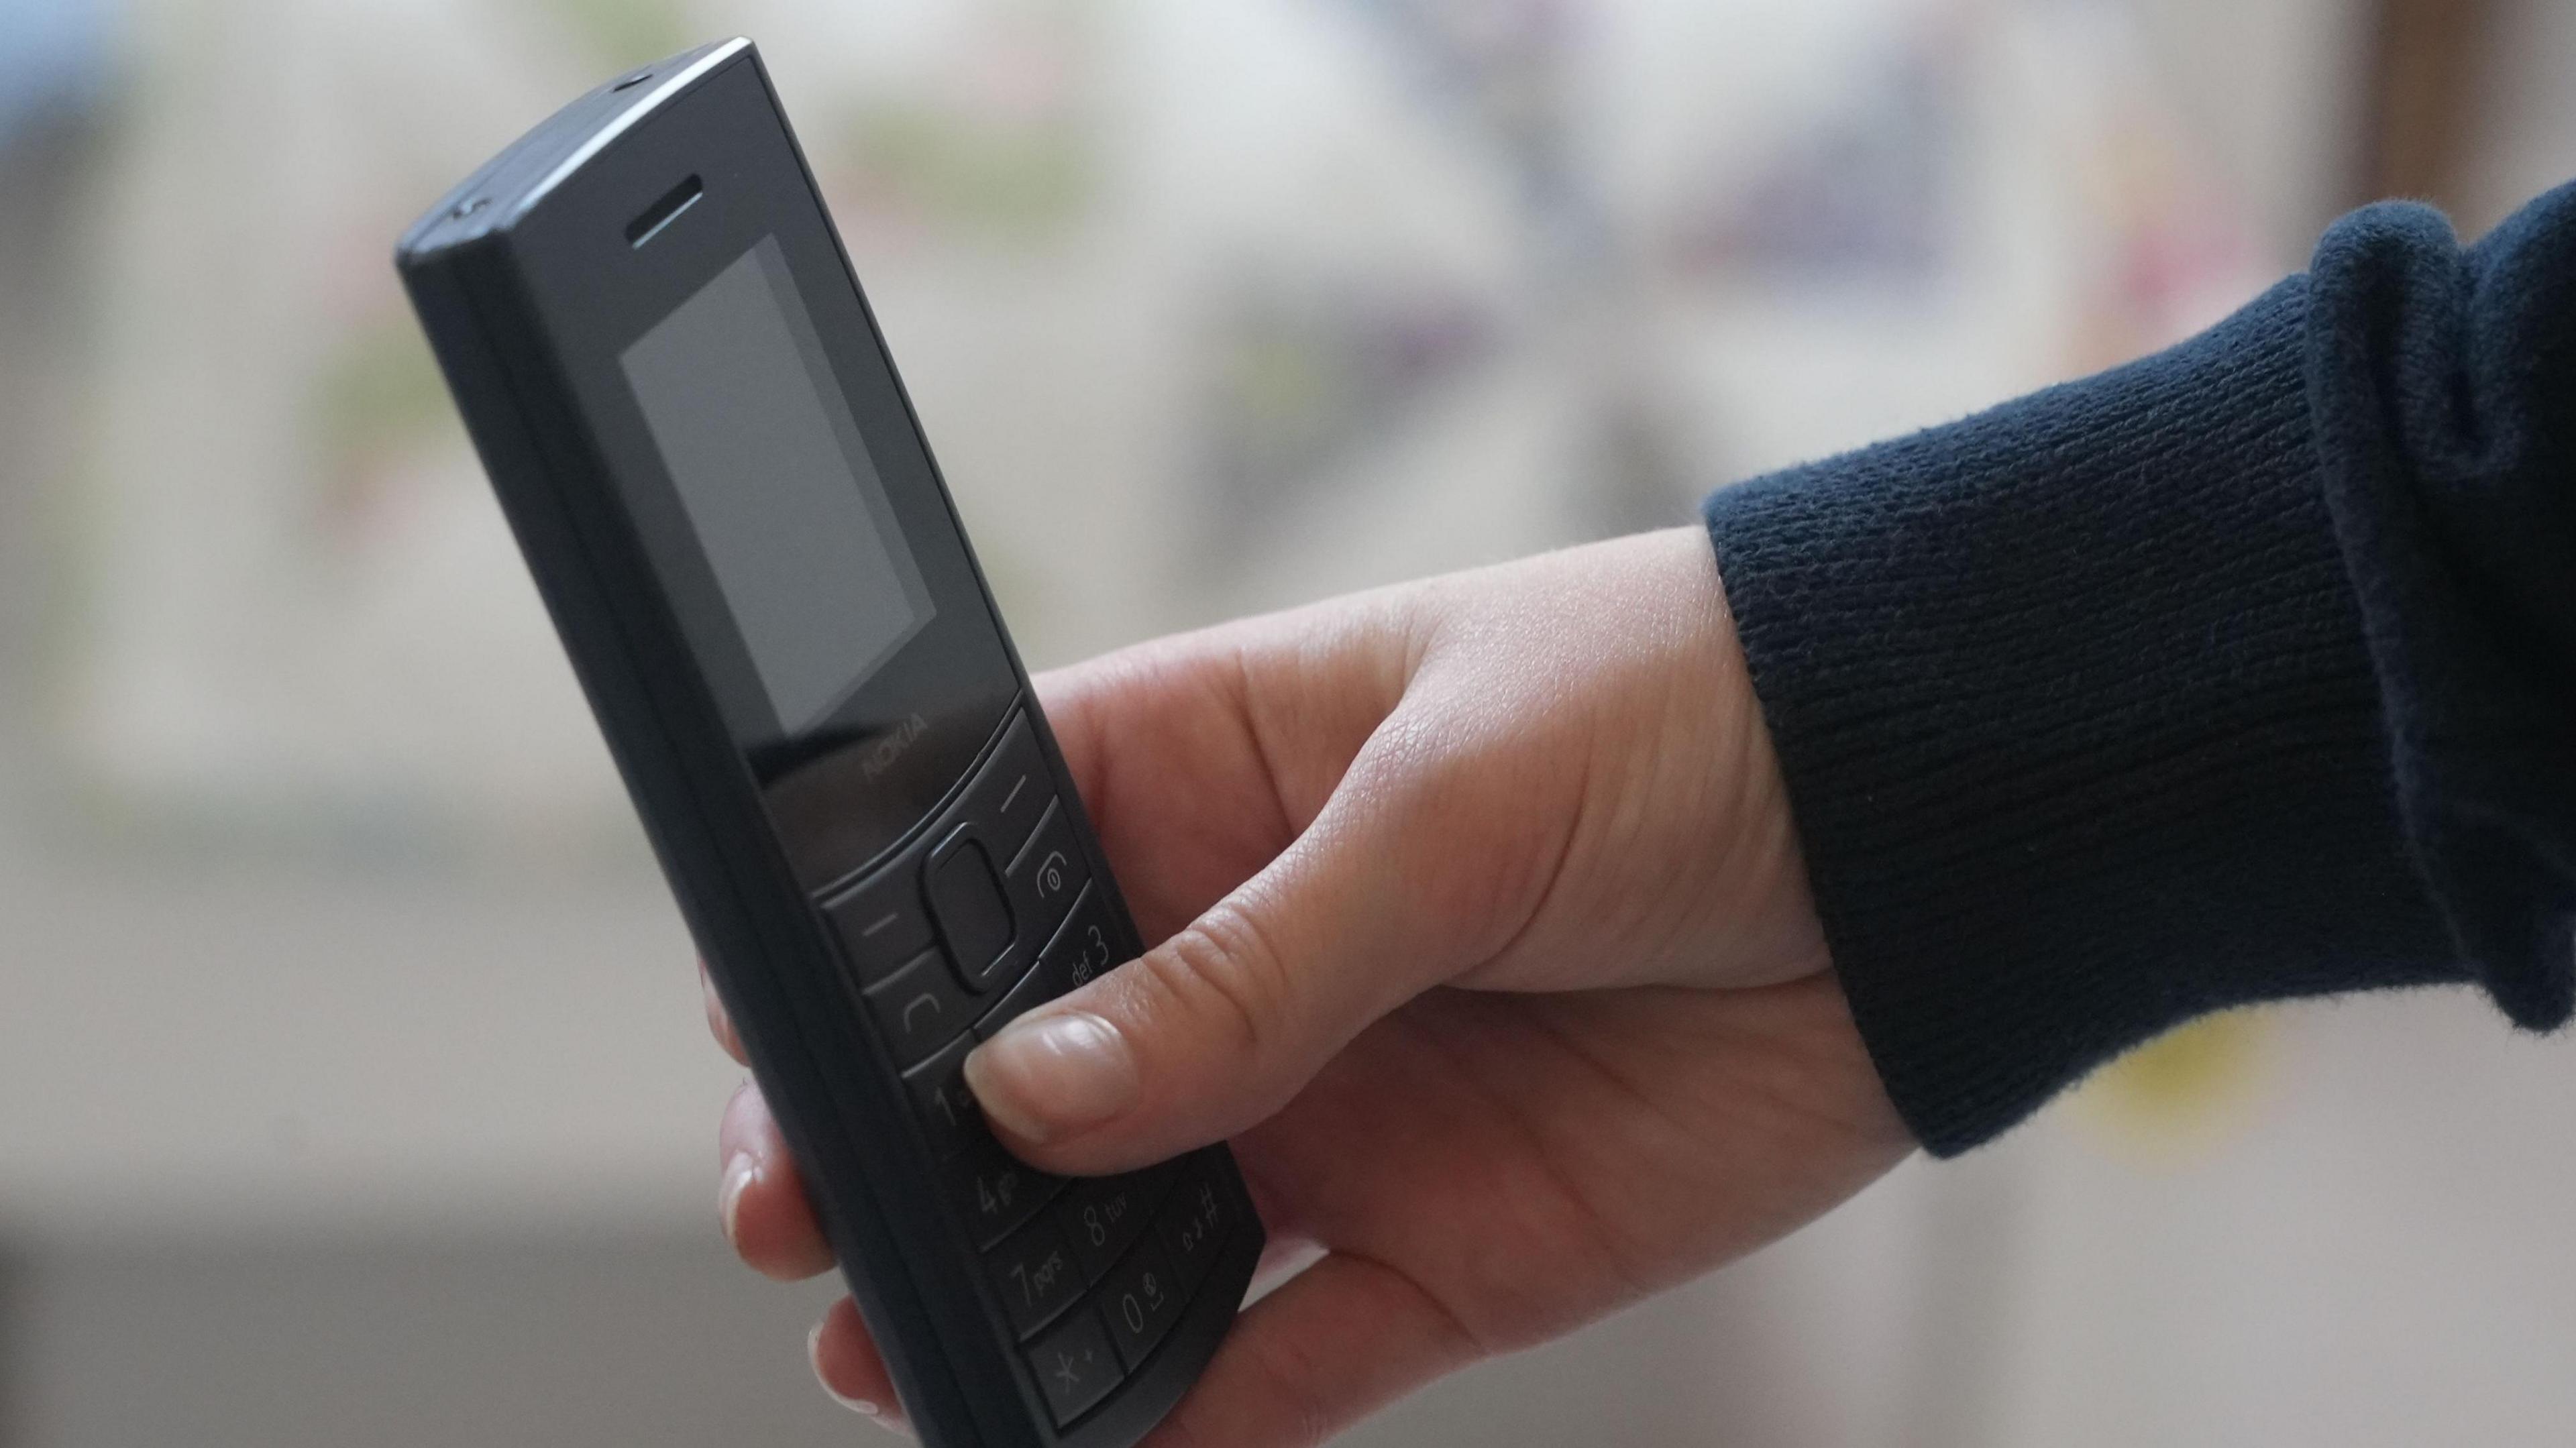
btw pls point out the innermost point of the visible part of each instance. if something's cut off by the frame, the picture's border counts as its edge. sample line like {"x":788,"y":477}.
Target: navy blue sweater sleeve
{"x":2244,"y":672}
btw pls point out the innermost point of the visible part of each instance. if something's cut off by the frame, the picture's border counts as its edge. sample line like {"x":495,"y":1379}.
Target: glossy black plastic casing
{"x":530,"y":287}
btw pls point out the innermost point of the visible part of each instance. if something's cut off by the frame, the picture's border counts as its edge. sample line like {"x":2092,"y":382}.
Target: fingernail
{"x":1052,"y":1076}
{"x":740,"y":1168}
{"x":814,"y":1356}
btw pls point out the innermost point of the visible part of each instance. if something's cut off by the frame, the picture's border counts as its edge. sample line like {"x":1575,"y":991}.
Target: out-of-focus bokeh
{"x":352,"y":1081}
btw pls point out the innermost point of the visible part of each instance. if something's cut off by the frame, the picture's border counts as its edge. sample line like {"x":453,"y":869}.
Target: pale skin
{"x":1485,"y":938}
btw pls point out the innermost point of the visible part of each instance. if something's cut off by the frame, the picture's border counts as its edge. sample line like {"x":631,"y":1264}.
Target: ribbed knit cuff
{"x":2078,"y":723}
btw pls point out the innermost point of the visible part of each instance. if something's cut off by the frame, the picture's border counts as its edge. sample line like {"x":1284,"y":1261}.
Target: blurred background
{"x":352,"y":1081}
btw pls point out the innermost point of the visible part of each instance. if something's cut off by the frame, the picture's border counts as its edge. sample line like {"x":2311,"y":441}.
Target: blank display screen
{"x":778,"y":487}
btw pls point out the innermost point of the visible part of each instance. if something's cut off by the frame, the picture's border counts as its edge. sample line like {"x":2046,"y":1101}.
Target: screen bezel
{"x":854,"y":786}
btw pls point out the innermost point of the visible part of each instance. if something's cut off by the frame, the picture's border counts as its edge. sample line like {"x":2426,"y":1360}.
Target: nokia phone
{"x":675,"y":382}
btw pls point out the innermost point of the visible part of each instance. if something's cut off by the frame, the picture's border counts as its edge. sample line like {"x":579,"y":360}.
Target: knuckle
{"x":1224,"y":972}
{"x":1429,"y":771}
{"x":1444,"y":782}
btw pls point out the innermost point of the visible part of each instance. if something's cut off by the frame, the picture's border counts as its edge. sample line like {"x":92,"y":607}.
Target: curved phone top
{"x":514,"y":182}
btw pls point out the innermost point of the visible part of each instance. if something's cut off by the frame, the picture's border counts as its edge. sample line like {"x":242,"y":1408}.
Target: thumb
{"x":1218,"y":1027}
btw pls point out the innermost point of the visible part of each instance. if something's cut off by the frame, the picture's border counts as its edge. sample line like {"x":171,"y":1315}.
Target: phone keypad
{"x":1012,"y":794}
{"x":1075,"y":1366}
{"x":948,"y":1111}
{"x":1193,"y":1229}
{"x":1035,"y":1275}
{"x":996,"y":916}
{"x":920,"y":1008}
{"x":1102,"y":1217}
{"x":996,"y":1191}
{"x":1141,"y":1302}
{"x":1079,"y":954}
{"x":882,"y":926}
{"x":967,"y":898}
{"x":1047,"y":876}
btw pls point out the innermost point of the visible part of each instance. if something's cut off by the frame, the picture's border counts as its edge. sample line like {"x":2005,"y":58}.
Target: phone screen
{"x":778,"y":486}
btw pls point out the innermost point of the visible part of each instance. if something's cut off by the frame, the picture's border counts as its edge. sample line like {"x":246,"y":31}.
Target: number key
{"x":948,"y":1111}
{"x":1036,"y":1277}
{"x":1102,"y":1216}
{"x":996,"y":1191}
{"x":1142,"y":1299}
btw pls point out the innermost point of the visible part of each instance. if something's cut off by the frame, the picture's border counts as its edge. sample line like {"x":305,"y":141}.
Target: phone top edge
{"x":668,"y":89}
{"x":500,"y":192}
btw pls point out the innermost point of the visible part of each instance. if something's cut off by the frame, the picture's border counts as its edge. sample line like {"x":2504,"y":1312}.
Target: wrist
{"x":2074,"y":709}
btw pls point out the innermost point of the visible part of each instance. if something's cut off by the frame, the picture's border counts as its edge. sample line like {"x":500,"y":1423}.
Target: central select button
{"x":966,"y":896}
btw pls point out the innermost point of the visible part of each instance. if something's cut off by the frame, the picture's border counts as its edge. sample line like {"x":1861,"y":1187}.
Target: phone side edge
{"x":444,"y":285}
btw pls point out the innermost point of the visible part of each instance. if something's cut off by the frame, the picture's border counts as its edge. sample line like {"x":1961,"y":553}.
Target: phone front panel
{"x":780,"y":489}
{"x":782,"y":498}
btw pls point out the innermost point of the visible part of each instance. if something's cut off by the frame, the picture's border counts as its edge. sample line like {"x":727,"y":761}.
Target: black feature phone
{"x":689,"y":415}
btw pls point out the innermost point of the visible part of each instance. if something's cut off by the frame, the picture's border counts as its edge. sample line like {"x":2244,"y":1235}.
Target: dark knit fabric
{"x":2243,"y":672}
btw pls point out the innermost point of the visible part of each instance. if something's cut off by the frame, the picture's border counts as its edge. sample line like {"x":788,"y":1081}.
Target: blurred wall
{"x":353,"y":1086}
{"x":2269,"y":89}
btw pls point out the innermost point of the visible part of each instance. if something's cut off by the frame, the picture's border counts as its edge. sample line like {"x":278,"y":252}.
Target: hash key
{"x":1193,"y":1229}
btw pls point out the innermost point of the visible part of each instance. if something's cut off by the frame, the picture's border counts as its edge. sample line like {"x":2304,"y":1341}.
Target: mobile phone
{"x":684,"y":403}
